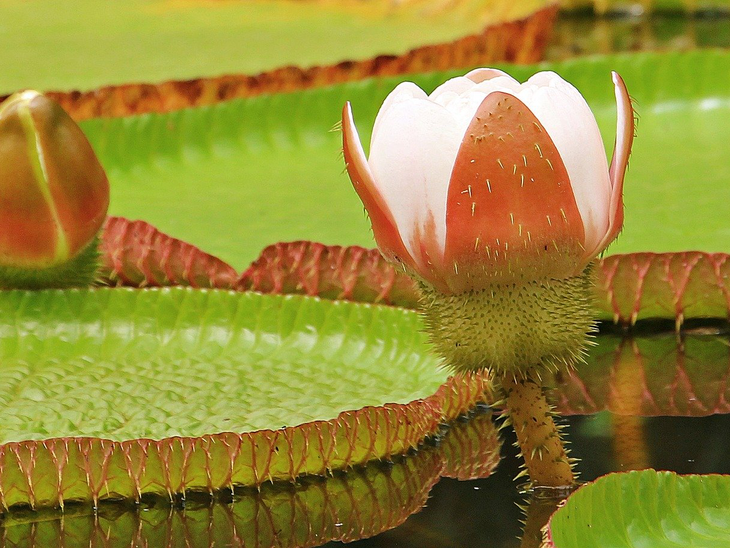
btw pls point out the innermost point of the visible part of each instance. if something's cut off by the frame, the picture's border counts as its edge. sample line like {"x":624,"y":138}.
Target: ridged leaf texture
{"x":655,"y":374}
{"x":119,"y":392}
{"x":195,"y":362}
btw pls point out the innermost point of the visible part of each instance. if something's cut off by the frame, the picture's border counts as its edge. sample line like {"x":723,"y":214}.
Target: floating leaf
{"x":197,"y":390}
{"x":648,"y":375}
{"x":521,"y":40}
{"x":345,"y":507}
{"x":207,"y":389}
{"x":630,"y":287}
{"x":135,"y":253}
{"x":156,"y":41}
{"x":114,"y":393}
{"x":646,"y":508}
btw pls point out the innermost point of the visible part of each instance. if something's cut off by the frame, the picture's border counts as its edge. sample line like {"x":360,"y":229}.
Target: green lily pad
{"x":648,"y":374}
{"x":118,"y":392}
{"x":345,"y":507}
{"x":235,"y":177}
{"x":157,"y":40}
{"x":646,"y":508}
{"x":127,"y":364}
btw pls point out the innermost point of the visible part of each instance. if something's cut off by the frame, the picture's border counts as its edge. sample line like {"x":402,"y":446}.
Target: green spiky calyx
{"x":533,"y":327}
{"x":80,"y":271}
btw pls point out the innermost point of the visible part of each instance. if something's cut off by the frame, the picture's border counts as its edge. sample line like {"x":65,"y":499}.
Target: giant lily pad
{"x":344,"y":506}
{"x":158,"y":40}
{"x":117,"y":392}
{"x":656,"y":373}
{"x":647,"y":508}
{"x":203,"y":389}
{"x":235,"y":177}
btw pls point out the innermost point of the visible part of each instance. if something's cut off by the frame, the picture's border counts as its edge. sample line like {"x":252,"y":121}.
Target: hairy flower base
{"x":508,"y":328}
{"x":80,"y":271}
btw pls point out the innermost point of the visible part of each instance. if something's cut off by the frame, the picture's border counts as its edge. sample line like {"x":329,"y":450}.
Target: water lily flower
{"x":487,"y":180}
{"x":54,"y":196}
{"x":496,"y":197}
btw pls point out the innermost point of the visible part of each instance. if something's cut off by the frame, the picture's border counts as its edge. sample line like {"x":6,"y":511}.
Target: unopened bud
{"x":54,"y":196}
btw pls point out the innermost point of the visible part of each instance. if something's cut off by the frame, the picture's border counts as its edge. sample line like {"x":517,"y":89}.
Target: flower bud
{"x":54,"y":196}
{"x":488,"y":181}
{"x":495,"y":196}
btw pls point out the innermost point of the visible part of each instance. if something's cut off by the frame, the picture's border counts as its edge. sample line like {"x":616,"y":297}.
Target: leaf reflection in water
{"x":659,"y":373}
{"x":344,"y":507}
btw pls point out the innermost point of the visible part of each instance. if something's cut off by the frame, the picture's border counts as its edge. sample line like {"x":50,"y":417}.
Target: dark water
{"x":485,"y":512}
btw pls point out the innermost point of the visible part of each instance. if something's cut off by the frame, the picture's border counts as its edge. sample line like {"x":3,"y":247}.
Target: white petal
{"x":571,"y":125}
{"x":404,"y":91}
{"x":479,"y":75}
{"x":464,"y":108}
{"x":548,"y":78}
{"x":457,"y":85}
{"x":465,"y":105}
{"x":444,"y":98}
{"x":411,"y":158}
{"x":499,"y":83}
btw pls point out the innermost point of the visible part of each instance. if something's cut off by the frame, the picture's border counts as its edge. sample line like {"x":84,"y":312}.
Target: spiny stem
{"x":539,"y":438}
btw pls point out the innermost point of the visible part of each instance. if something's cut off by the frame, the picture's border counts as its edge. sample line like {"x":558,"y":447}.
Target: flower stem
{"x":539,"y":438}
